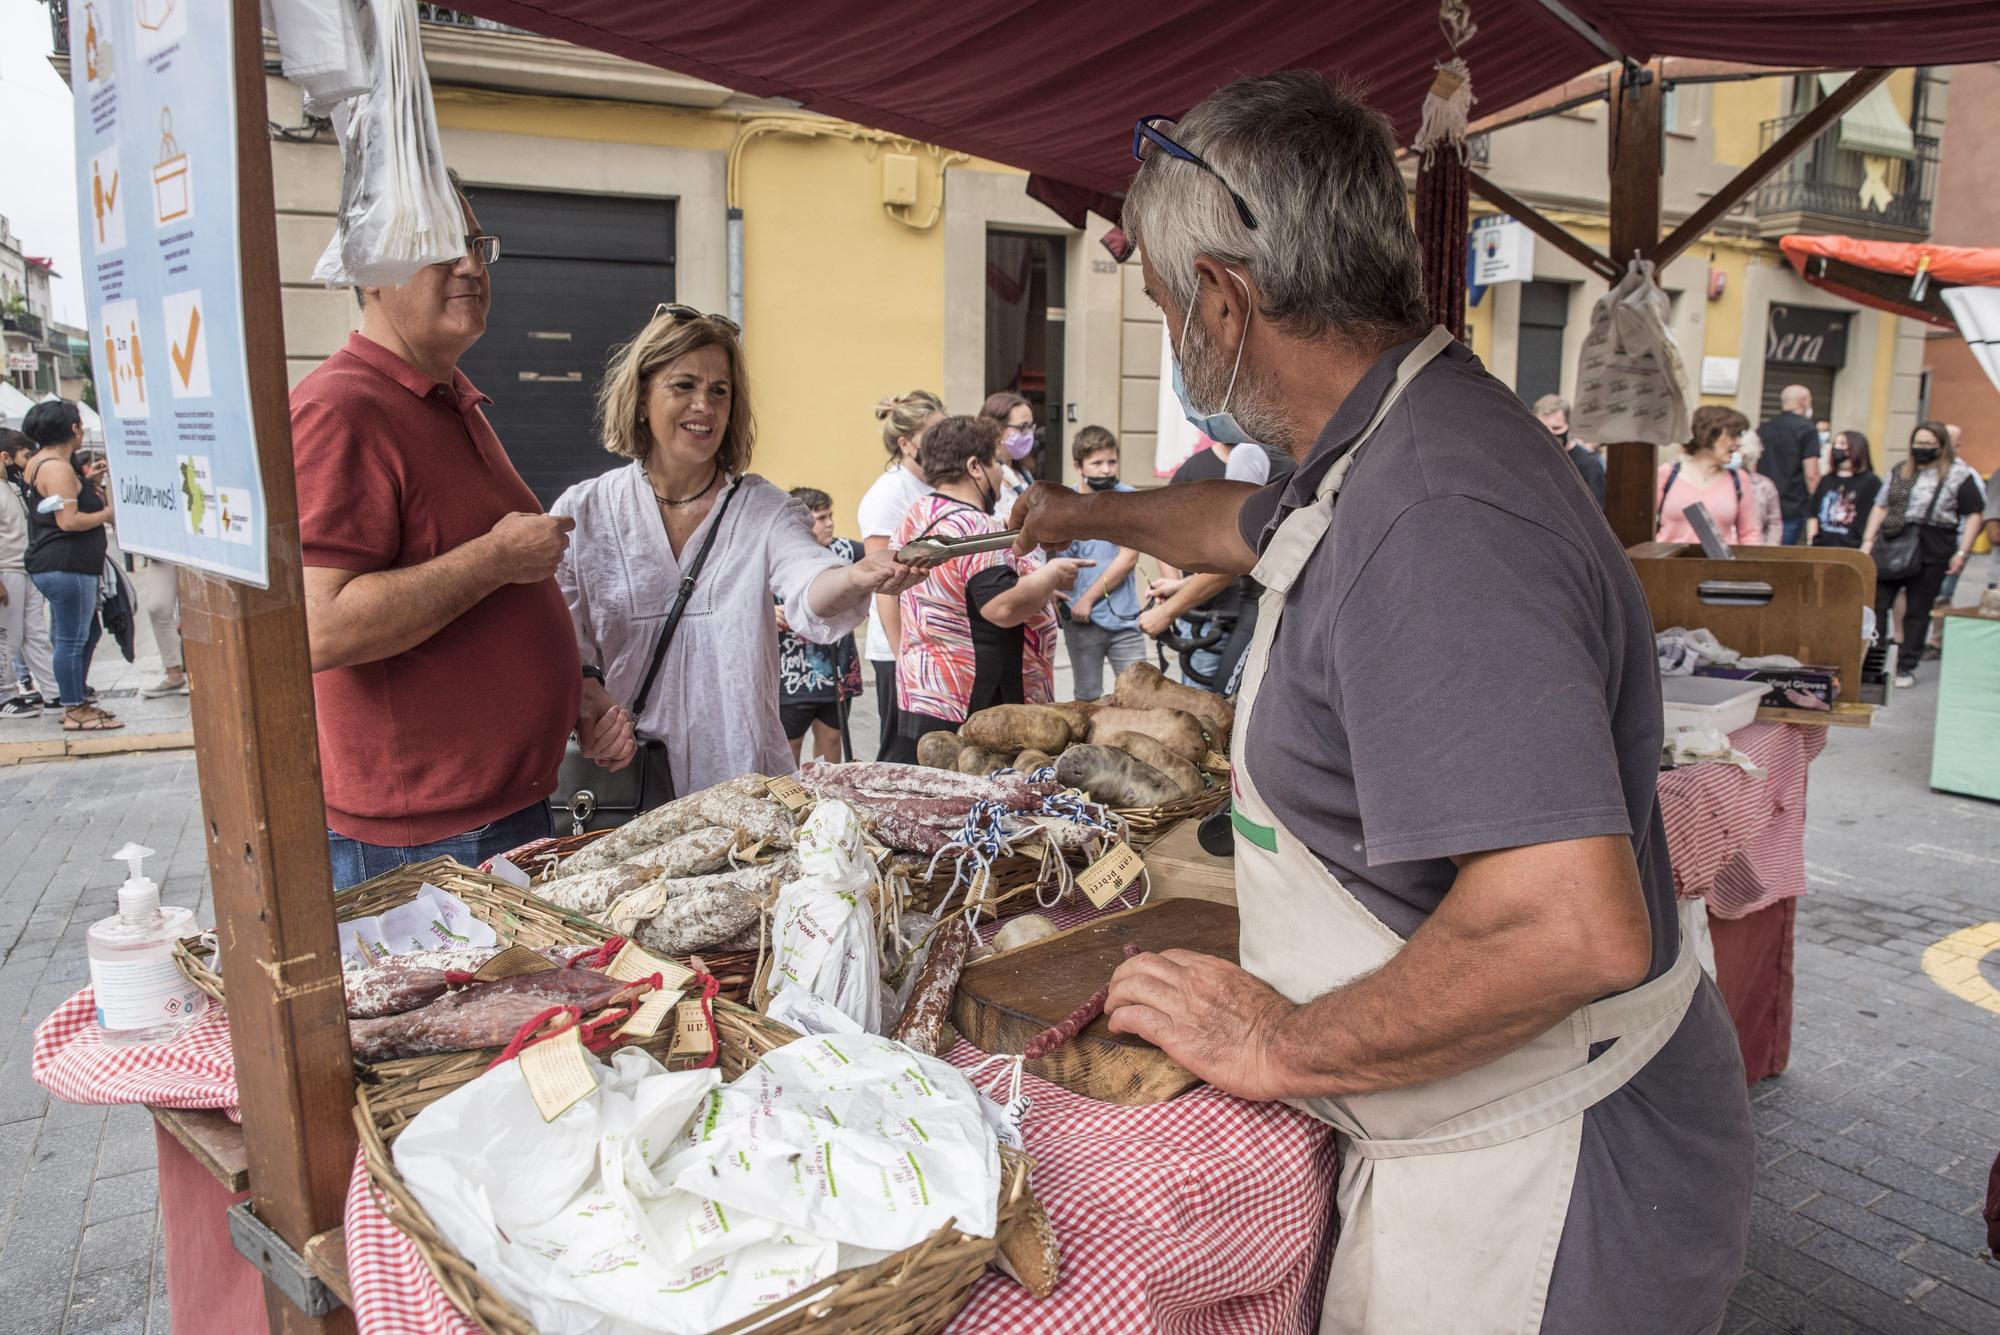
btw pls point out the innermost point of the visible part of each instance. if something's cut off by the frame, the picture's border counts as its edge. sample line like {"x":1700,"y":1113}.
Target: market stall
{"x":290,"y":1070}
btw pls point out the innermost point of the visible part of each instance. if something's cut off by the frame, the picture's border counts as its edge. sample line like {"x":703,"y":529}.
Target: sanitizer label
{"x":143,"y":994}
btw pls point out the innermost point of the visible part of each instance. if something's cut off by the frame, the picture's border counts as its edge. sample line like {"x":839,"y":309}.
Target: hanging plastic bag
{"x":823,"y":926}
{"x":398,"y":210}
{"x":319,"y":42}
{"x":1631,"y":385}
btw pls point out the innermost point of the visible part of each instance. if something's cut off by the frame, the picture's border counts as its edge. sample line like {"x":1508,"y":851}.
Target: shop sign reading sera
{"x":1805,"y":336}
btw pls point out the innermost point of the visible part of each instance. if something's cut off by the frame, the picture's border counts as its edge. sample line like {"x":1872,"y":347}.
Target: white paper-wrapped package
{"x":850,"y":1137}
{"x":823,"y":926}
{"x":573,"y":1220}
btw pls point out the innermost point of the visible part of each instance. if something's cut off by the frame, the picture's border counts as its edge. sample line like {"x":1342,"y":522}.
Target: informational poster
{"x":156,"y":190}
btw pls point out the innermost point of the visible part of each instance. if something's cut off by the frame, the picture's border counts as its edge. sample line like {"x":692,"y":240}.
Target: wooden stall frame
{"x":258,"y":768}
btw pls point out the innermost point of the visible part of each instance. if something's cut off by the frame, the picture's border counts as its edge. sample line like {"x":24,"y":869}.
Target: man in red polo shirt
{"x":445,"y":667}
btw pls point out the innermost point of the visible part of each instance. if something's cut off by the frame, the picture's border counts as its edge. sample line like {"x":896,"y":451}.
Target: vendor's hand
{"x":1956,"y":564}
{"x":882,"y":573}
{"x":1155,"y":621}
{"x":1162,"y":589}
{"x":1218,"y":1021}
{"x":1048,"y":516}
{"x":604,"y":729}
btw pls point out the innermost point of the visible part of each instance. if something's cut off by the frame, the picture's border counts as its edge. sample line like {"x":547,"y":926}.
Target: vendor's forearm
{"x":1192,"y":526}
{"x":1524,"y":938}
{"x":353,"y":619}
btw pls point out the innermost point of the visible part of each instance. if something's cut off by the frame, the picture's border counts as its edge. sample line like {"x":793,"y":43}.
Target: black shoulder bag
{"x":1899,"y":552}
{"x":600,"y":799}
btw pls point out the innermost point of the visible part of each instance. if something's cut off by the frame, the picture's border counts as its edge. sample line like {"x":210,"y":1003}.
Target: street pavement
{"x":1874,"y":1149}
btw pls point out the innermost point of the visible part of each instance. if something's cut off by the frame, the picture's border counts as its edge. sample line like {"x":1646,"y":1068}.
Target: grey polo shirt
{"x":1466,"y":664}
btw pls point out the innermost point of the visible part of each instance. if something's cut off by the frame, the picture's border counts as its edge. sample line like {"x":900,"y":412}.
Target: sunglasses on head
{"x":673,"y":310}
{"x":1150,"y":135}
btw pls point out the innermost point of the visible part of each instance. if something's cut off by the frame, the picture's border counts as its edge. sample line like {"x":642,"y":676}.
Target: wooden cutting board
{"x":1004,"y":1001}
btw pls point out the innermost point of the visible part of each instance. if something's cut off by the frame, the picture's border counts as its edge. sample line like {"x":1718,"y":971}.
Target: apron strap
{"x":1539,"y":1107}
{"x":1300,"y":533}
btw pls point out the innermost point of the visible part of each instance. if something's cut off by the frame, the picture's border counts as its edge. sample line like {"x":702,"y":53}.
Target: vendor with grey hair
{"x":1459,"y":941}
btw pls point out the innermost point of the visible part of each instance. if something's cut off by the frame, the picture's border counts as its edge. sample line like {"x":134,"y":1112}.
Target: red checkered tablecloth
{"x":72,"y":1062}
{"x":1737,"y":840}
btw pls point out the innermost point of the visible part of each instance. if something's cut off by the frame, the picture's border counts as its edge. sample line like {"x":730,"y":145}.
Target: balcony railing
{"x":450,"y":18}
{"x":1831,"y":185}
{"x":20,"y":322}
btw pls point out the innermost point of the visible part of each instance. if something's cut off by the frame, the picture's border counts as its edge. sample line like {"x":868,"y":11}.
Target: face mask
{"x":1221,"y":425}
{"x":1736,"y":458}
{"x":1018,"y":444}
{"x":1101,"y":483}
{"x":988,"y":499}
{"x":1824,"y":438}
{"x":1838,"y":455}
{"x":1923,"y":455}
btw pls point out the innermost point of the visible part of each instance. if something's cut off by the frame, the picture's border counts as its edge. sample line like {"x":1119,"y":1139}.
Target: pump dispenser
{"x":142,"y":996}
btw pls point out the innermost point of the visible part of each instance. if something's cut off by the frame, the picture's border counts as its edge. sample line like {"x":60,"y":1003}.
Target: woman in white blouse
{"x":676,"y":403}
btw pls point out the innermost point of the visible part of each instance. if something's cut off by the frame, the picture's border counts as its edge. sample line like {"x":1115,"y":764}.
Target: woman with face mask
{"x":1846,"y":493}
{"x":1935,"y":491}
{"x":981,"y":629}
{"x":1016,"y":417}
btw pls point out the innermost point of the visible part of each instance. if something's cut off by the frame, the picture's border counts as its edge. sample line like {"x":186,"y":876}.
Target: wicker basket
{"x":915,"y":1292}
{"x":1148,"y":824}
{"x":519,"y":917}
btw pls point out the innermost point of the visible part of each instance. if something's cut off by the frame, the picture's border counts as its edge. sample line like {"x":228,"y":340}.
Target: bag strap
{"x":673,"y":620}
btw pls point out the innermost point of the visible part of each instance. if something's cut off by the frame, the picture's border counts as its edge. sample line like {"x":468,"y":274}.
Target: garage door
{"x":578,"y":275}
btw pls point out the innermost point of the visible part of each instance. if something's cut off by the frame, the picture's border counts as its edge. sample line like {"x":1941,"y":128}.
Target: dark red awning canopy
{"x":1053,"y":86}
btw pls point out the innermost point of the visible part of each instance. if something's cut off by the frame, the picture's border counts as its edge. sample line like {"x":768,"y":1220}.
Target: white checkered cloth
{"x":1736,"y":840}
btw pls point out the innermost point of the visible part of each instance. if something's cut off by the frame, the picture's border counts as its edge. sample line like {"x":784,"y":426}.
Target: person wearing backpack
{"x":1921,"y":530}
{"x":1702,"y":476}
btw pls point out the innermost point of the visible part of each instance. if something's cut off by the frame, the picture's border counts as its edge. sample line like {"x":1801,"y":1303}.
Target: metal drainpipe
{"x":736,"y":266}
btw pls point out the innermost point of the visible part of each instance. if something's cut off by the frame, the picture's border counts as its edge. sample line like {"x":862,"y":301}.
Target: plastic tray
{"x":1709,"y":702}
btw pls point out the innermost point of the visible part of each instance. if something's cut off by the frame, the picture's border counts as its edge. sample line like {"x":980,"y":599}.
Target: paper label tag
{"x":1105,"y":879}
{"x":788,"y":790}
{"x":505,"y":870}
{"x":652,"y":1013}
{"x":631,"y":964}
{"x":511,"y":963}
{"x":1446,"y":83}
{"x":692,"y":1037}
{"x":558,"y":1072}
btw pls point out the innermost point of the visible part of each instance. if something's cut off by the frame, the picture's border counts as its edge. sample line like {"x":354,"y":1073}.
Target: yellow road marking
{"x":1953,"y":964}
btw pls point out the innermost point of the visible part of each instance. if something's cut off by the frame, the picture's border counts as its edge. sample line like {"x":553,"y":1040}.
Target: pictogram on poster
{"x":107,"y":215}
{"x":173,"y":184}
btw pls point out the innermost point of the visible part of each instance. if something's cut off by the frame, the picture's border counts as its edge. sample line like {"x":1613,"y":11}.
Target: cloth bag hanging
{"x":1631,"y":383}
{"x":398,"y":210}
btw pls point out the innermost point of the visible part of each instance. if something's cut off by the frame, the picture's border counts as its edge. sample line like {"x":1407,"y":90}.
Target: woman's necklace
{"x":690,"y":500}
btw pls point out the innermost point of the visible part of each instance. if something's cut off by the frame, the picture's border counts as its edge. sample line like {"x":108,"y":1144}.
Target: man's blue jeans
{"x":355,"y":862}
{"x":1795,"y":531}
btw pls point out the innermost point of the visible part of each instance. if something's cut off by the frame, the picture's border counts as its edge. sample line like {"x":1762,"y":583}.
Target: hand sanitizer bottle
{"x":142,"y":996}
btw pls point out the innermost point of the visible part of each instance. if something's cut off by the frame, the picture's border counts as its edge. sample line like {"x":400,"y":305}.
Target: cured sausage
{"x":1061,"y":1032}
{"x":480,"y":1015}
{"x":659,"y":825}
{"x":922,"y":1022}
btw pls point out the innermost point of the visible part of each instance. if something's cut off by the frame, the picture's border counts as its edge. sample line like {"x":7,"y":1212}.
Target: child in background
{"x":815,"y":681}
{"x":1104,"y":602}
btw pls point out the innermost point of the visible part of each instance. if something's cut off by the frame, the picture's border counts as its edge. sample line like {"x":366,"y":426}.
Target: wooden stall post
{"x":258,"y":760}
{"x":1635,"y":148}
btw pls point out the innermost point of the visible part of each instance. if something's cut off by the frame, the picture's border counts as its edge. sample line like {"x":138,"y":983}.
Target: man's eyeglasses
{"x":1149,"y":135}
{"x":484,"y":247}
{"x":675,"y":311}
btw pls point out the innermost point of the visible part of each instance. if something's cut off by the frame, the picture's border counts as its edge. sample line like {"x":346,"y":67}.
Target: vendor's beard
{"x":1254,"y":402}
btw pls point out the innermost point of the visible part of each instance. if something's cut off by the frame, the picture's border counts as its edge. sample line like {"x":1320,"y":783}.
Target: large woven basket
{"x":915,"y":1292}
{"x":1148,"y":824}
{"x":517,"y":916}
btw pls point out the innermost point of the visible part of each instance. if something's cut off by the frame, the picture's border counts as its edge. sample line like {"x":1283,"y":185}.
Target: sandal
{"x":89,"y":719}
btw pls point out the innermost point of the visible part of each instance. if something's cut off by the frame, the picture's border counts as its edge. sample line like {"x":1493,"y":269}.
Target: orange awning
{"x":1882,"y":274}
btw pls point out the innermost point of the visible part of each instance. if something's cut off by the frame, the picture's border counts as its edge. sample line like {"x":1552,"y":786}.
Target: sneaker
{"x":22,"y":706}
{"x":165,"y":686}
{"x":1905,"y":680}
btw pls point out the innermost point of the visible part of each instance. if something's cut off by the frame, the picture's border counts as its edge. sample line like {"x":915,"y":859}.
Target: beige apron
{"x":1452,"y":1194}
